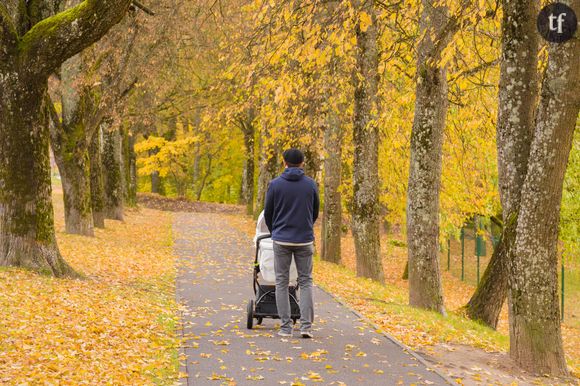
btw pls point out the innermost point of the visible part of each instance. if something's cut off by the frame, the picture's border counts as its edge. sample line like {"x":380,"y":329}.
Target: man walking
{"x":290,"y":211}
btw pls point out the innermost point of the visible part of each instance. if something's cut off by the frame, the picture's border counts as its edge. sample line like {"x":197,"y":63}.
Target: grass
{"x":386,"y":306}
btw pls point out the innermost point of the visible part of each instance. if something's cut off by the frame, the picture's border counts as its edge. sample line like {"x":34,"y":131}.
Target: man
{"x":290,"y":211}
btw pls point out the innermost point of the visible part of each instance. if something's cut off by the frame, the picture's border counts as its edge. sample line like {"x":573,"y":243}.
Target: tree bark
{"x":518,"y":93}
{"x":113,"y":174}
{"x":205,"y":175}
{"x":332,"y":212}
{"x":128,"y":166}
{"x":97,"y":179}
{"x":27,"y":237}
{"x":366,"y":209}
{"x":74,"y":166}
{"x":486,"y":303}
{"x":535,"y":335}
{"x":425,"y":167}
{"x":249,"y":168}
{"x":28,"y":57}
{"x":267,"y":171}
{"x":70,"y":146}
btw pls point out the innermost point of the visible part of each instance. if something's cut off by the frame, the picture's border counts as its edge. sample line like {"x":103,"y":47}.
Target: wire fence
{"x":467,"y":257}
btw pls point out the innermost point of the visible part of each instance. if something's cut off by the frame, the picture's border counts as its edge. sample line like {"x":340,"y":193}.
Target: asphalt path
{"x":214,"y":284}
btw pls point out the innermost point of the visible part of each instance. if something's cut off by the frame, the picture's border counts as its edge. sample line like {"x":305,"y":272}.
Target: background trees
{"x":34,"y":45}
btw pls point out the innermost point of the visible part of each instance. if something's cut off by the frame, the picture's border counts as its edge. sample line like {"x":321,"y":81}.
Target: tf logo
{"x":557,"y":23}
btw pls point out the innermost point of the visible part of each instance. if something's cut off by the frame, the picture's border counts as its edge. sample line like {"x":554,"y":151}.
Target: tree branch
{"x":55,"y":39}
{"x":143,"y":8}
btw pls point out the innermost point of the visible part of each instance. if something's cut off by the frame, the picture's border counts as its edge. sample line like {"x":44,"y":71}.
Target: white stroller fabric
{"x":266,"y":254}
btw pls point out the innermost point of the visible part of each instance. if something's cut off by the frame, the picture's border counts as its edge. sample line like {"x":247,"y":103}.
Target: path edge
{"x":381,"y":331}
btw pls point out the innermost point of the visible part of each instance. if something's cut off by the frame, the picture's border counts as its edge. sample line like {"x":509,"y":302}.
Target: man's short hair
{"x":293,"y":157}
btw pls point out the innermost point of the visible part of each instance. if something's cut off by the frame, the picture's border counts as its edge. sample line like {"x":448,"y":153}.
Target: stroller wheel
{"x":250,"y":321}
{"x":259,"y":320}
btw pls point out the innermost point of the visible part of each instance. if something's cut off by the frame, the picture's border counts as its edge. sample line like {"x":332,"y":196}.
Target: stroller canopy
{"x":266,"y":253}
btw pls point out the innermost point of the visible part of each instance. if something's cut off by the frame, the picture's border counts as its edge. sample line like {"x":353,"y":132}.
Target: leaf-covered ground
{"x":115,"y":326}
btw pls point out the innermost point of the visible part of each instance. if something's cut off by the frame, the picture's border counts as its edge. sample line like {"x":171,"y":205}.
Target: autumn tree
{"x":518,"y":93}
{"x":425,"y":166}
{"x":31,"y":49}
{"x":366,"y":208}
{"x":535,"y":334}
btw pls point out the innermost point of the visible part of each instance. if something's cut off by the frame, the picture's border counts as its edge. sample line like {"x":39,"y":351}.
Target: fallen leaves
{"x":116,"y":326}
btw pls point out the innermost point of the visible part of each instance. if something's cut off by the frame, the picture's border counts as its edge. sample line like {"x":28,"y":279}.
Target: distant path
{"x":214,"y":284}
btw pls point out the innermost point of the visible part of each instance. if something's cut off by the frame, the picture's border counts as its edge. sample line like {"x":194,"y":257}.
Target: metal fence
{"x":468,"y":257}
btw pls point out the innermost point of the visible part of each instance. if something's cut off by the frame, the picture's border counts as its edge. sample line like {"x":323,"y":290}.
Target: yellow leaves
{"x":315,"y":356}
{"x":116,"y":326}
{"x":220,"y":342}
{"x":365,"y":21}
{"x":314,"y":376}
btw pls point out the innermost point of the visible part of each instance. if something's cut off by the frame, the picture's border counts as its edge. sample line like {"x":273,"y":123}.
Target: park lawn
{"x":387,"y":305}
{"x":116,"y":325}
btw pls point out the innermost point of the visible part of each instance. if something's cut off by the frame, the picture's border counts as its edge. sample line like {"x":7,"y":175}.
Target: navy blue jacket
{"x":291,"y":207}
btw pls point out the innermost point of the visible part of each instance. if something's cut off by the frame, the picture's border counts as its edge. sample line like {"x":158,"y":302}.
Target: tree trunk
{"x":204,"y":179}
{"x":97,"y":181}
{"x":248,"y":177}
{"x":267,"y":171}
{"x":196,"y":167}
{"x":425,"y":166}
{"x":70,"y":146}
{"x":518,"y":92}
{"x":332,"y":212}
{"x":74,"y":167}
{"x":113,"y":175}
{"x":27,"y":237}
{"x":486,"y":303}
{"x":366,"y":209}
{"x":535,"y":335}
{"x":129,"y":176}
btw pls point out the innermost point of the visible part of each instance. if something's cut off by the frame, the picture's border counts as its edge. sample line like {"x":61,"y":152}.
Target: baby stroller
{"x":264,"y":306}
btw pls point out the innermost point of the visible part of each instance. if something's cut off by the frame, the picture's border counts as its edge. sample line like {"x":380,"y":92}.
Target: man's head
{"x":293,"y":158}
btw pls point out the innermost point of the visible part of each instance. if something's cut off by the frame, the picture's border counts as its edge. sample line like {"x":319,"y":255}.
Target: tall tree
{"x":425,"y":167}
{"x":29,"y":54}
{"x":366,"y":208}
{"x":246,"y":123}
{"x":332,"y":212}
{"x":267,"y":169}
{"x":97,"y":179}
{"x":535,"y":335}
{"x":518,"y":93}
{"x":112,"y":154}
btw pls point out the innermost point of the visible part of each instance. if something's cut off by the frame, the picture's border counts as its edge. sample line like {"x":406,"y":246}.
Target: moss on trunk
{"x":27,"y":237}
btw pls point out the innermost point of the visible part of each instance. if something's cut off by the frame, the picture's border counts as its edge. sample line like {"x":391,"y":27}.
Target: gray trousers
{"x":282,"y":259}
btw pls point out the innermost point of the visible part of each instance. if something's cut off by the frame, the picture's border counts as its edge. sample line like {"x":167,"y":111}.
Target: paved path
{"x":214,"y":285}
